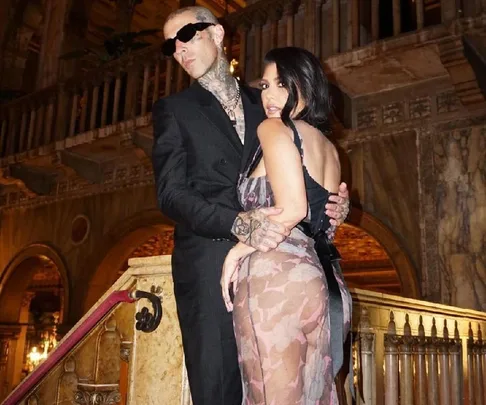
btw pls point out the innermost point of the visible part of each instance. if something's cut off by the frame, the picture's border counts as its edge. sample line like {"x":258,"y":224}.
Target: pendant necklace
{"x":231,"y":110}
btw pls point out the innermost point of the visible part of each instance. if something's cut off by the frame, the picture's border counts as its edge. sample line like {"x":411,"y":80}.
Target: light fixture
{"x":47,"y":345}
{"x":233,"y":65}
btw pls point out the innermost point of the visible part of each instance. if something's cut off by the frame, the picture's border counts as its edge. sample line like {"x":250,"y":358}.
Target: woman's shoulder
{"x":311,"y":133}
{"x":273,"y":126}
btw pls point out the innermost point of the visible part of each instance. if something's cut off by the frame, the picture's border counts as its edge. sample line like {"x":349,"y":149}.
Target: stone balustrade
{"x":116,"y":97}
{"x":404,"y":351}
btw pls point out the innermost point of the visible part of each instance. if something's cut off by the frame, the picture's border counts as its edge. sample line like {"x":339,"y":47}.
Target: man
{"x":203,"y":138}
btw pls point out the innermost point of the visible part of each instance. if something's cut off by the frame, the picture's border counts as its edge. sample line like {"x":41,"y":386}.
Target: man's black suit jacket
{"x":197,"y":158}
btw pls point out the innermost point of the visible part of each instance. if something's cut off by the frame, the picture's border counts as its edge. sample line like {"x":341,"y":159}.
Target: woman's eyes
{"x":265,"y":86}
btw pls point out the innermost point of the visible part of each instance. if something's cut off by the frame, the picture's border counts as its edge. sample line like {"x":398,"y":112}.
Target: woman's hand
{"x":231,"y":267}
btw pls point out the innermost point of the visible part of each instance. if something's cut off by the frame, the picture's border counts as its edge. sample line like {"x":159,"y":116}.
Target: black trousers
{"x":209,"y":343}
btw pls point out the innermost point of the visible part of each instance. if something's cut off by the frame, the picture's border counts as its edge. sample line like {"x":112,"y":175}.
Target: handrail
{"x":146,"y":322}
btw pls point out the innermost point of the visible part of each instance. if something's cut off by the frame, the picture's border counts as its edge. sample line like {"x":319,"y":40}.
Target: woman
{"x":281,"y":304}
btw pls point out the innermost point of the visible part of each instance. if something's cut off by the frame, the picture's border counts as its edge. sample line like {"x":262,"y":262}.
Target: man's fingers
{"x":343,"y":190}
{"x":336,"y":199}
{"x":333,"y":214}
{"x":271,"y":211}
{"x":279,"y":228}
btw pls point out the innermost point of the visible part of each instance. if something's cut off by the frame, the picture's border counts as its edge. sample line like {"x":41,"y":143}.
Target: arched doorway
{"x":34,"y":294}
{"x":373,"y":258}
{"x":365,"y":263}
{"x":147,"y":233}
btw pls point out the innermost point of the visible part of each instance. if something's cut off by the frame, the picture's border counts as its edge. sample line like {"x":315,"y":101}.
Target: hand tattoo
{"x":250,"y":227}
{"x":240,"y":227}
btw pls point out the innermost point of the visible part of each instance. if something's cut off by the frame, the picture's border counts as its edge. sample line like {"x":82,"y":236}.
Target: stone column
{"x":259,"y":20}
{"x":243,"y":31}
{"x":156,"y":382}
{"x":312,"y":18}
{"x":5,"y":16}
{"x":51,"y":45}
{"x":8,"y":337}
{"x":4,"y":354}
{"x":23,"y":319}
{"x":448,"y":8}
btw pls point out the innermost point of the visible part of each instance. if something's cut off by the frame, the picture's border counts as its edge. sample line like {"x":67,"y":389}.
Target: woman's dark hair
{"x":301,"y":73}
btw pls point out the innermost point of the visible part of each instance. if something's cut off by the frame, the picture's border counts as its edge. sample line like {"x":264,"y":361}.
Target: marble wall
{"x":384,"y":182}
{"x":428,"y":186}
{"x":459,"y":163}
{"x":110,"y":217}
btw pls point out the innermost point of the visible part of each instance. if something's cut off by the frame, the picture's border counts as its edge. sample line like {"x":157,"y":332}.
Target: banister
{"x":147,"y":322}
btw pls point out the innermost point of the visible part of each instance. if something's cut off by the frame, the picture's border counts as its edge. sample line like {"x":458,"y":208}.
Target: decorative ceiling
{"x":46,"y":275}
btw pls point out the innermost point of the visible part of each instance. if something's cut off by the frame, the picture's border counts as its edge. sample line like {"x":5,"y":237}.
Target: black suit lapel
{"x":253,"y":117}
{"x":213,"y":111}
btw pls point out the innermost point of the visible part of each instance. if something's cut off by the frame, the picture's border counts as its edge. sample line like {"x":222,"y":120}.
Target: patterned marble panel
{"x":460,"y":164}
{"x":390,"y":190}
{"x":157,"y":382}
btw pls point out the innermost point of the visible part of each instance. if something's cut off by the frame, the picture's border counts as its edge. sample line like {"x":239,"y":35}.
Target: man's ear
{"x":218,"y":34}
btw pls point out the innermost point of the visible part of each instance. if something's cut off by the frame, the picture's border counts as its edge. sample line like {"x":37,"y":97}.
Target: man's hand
{"x":338,"y":207}
{"x":255,"y":229}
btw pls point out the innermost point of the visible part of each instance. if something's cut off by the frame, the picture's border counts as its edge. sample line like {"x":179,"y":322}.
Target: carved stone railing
{"x":110,"y":98}
{"x":326,"y":27}
{"x":404,"y":351}
{"x":415,"y":352}
{"x":118,"y":96}
{"x":105,"y":353}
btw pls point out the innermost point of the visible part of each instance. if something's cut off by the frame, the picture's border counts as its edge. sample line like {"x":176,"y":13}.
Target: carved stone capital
{"x":97,"y":394}
{"x":290,"y":7}
{"x":275,"y":13}
{"x":244,"y":26}
{"x":125,"y":350}
{"x":259,"y":18}
{"x":367,"y":341}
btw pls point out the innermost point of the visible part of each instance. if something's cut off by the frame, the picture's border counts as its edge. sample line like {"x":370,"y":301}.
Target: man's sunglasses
{"x":185,"y":34}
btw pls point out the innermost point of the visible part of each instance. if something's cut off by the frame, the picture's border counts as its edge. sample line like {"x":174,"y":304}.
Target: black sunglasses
{"x":185,"y":34}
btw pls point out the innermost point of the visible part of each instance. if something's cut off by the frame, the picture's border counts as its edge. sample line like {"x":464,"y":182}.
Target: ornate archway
{"x":405,"y":270}
{"x":34,"y":301}
{"x":124,"y":239}
{"x":18,"y":274}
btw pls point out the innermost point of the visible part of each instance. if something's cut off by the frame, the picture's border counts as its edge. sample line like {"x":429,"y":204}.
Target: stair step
{"x":452,"y":51}
{"x":450,"y":44}
{"x":454,"y":63}
{"x":473,"y":99}
{"x":465,"y":86}
{"x":469,"y":93}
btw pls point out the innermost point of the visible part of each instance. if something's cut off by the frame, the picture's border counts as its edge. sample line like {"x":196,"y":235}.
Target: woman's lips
{"x":271,"y":109}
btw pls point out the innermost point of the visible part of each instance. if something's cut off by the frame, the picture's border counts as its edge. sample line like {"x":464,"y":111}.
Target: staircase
{"x":401,"y":347}
{"x":461,"y":72}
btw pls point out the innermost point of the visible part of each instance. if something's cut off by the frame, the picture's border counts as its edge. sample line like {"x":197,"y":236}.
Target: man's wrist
{"x":240,"y":228}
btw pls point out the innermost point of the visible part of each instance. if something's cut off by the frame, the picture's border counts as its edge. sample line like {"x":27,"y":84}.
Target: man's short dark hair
{"x":301,"y":73}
